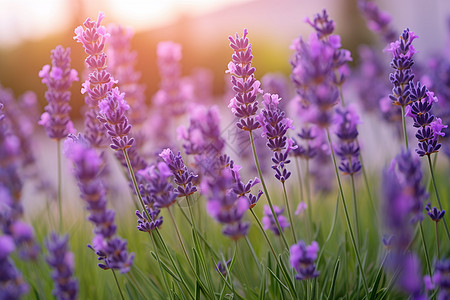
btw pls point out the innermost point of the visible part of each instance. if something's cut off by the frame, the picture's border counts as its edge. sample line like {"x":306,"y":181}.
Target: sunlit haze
{"x":30,"y":19}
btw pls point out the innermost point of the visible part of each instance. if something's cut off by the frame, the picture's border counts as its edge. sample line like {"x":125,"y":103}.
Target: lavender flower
{"x":347,"y":148}
{"x":441,"y":279}
{"x":62,"y":262}
{"x":309,"y":149}
{"x":222,"y":267}
{"x":302,"y":259}
{"x":402,"y":206}
{"x":12,"y":284}
{"x":269,"y":221}
{"x":429,"y":127}
{"x":275,"y":126}
{"x":244,"y":105}
{"x":87,"y":164}
{"x":182,"y":177}
{"x":58,"y":79}
{"x":402,"y":51}
{"x":155,"y":187}
{"x":146,"y":225}
{"x":174,"y":93}
{"x":378,"y":21}
{"x":112,"y":115}
{"x":313,"y":78}
{"x":93,"y":37}
{"x":435,"y":214}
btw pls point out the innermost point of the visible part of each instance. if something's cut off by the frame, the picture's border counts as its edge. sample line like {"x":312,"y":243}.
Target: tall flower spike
{"x":93,"y":37}
{"x":302,"y":259}
{"x":107,"y":245}
{"x":347,"y":149}
{"x":275,"y":126}
{"x":62,"y":262}
{"x":378,"y":21}
{"x":244,"y":105}
{"x":429,"y":128}
{"x":402,"y":52}
{"x":58,"y":78}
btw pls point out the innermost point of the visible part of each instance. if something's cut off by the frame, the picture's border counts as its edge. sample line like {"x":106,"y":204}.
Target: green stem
{"x":152,"y":237}
{"x":404,"y":127}
{"x":181,"y":240}
{"x":289,"y":212}
{"x":253,"y":254}
{"x":118,"y":286}
{"x":136,"y":284}
{"x":425,"y":249}
{"x":308,"y":219}
{"x":437,"y":194}
{"x":437,"y":241}
{"x":288,"y":279}
{"x":355,"y":208}
{"x":266,"y":191}
{"x":347,"y":217}
{"x":308,"y":196}
{"x":58,"y":151}
{"x":366,"y":183}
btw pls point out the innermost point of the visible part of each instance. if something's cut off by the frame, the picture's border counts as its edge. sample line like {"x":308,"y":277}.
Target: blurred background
{"x":30,"y":29}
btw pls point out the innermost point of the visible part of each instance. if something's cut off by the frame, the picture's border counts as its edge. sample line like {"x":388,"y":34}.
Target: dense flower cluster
{"x":181,"y":176}
{"x":302,"y":259}
{"x":275,"y":126}
{"x":61,"y":261}
{"x":269,"y":221}
{"x":244,"y":105}
{"x":11,"y":282}
{"x":58,"y":78}
{"x":347,"y":148}
{"x":429,"y":128}
{"x":87,"y":164}
{"x":402,"y":51}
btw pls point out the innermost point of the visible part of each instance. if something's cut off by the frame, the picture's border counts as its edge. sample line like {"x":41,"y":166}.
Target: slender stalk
{"x":58,"y":154}
{"x":118,"y":286}
{"x":180,"y":240}
{"x":308,"y":195}
{"x":136,"y":284}
{"x":152,"y":237}
{"x":437,"y":240}
{"x":300,"y":179}
{"x":404,"y":127}
{"x":289,"y":212}
{"x":425,"y":249}
{"x":366,"y":183}
{"x":292,"y":291}
{"x":347,"y":218}
{"x":253,"y":254}
{"x":355,"y":208}
{"x":437,"y":194}
{"x":265,"y":189}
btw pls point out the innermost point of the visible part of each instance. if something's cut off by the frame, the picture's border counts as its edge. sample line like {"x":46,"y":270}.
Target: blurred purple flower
{"x":244,"y":105}
{"x":268,"y":220}
{"x":87,"y":165}
{"x":11,"y":281}
{"x":302,"y":259}
{"x":61,"y":260}
{"x":378,"y":21}
{"x":58,"y":78}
